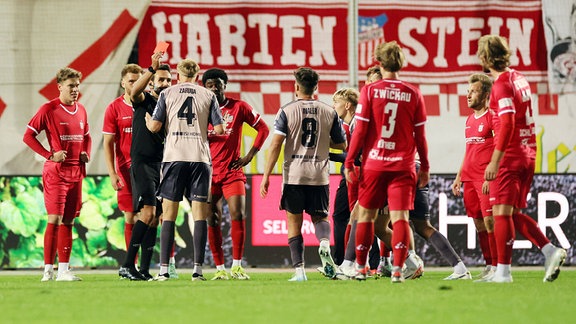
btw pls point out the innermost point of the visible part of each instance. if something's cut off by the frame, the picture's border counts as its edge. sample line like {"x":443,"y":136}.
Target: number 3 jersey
{"x":308,"y":125}
{"x":186,"y":109}
{"x":387,"y":114}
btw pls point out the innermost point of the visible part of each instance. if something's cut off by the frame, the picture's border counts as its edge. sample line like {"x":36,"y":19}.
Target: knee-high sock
{"x":215,"y":243}
{"x":384,"y":250}
{"x":322,"y":230}
{"x":238,"y":238}
{"x":400,"y":242}
{"x":441,"y":244}
{"x":347,"y":235}
{"x":493,"y":248}
{"x":485,"y":246}
{"x":364,"y":239}
{"x":166,"y":241}
{"x":128,"y":233}
{"x":350,"y":252}
{"x":50,"y":243}
{"x":138,"y":232}
{"x":296,"y":245}
{"x":528,"y":227}
{"x":504,"y":234}
{"x":200,"y":236}
{"x":64,"y":243}
{"x":148,"y":243}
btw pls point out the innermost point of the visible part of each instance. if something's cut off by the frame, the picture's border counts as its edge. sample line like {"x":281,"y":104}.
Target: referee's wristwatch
{"x":151,"y":69}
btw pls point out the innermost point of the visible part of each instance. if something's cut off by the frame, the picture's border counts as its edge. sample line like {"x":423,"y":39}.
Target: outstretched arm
{"x":137,"y":93}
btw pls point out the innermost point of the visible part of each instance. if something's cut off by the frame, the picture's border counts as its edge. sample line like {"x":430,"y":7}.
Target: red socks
{"x":128,"y":234}
{"x":493,"y":248}
{"x":50,"y":243}
{"x":215,"y":242}
{"x":400,"y":242}
{"x":64,"y":243}
{"x":530,"y":230}
{"x":347,"y":234}
{"x":238,"y":237}
{"x":504,"y":233}
{"x":364,"y":238}
{"x":485,"y":246}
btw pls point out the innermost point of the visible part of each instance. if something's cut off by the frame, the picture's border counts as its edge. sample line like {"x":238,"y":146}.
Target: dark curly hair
{"x":215,"y":74}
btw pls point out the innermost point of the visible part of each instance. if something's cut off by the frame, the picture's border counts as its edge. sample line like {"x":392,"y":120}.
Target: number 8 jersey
{"x":308,"y":125}
{"x":387,"y":114}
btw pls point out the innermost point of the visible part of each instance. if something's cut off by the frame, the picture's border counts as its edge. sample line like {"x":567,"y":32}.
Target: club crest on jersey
{"x":81,"y":125}
{"x":481,"y":127}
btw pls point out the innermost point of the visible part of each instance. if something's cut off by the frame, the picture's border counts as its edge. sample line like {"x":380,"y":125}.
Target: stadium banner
{"x":251,"y":40}
{"x":99,"y":230}
{"x":260,"y":43}
{"x":440,"y":38}
{"x":96,"y":38}
{"x":560,"y":29}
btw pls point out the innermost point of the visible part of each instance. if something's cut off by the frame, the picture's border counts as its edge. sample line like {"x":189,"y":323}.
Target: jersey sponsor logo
{"x":127,"y":130}
{"x":77,"y":138}
{"x":475,"y":140}
{"x":185,"y":134}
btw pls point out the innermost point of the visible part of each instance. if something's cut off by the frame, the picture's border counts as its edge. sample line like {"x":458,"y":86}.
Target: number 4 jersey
{"x":308,"y":125}
{"x":186,"y":109}
{"x":387,"y":114}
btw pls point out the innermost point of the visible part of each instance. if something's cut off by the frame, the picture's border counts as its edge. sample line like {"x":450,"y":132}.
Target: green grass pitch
{"x":269,"y":298}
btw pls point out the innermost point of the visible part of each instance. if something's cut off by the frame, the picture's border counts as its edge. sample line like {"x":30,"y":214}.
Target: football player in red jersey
{"x":470,"y":177}
{"x":228,"y":179}
{"x":65,"y":122}
{"x":117,"y":138}
{"x":390,"y":120}
{"x":511,"y":167}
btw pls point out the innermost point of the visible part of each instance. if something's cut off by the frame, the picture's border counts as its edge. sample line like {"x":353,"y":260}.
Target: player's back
{"x":393,"y":109}
{"x":308,"y":125}
{"x":511,"y":94}
{"x":188,"y":107}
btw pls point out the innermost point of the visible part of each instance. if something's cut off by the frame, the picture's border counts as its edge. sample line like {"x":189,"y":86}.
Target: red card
{"x":161,"y":47}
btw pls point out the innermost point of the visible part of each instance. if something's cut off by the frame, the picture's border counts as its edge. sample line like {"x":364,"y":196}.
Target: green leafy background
{"x":98,"y":232}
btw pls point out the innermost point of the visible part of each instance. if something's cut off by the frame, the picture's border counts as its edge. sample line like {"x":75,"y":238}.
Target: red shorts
{"x":61,"y":197}
{"x":353,"y":188}
{"x":124,"y":195}
{"x":395,"y":187}
{"x":228,"y":184}
{"x":476,"y":203}
{"x":512,"y":184}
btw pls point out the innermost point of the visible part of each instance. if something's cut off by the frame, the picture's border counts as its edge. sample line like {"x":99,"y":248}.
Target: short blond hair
{"x":188,"y":68}
{"x":348,"y":94}
{"x":390,"y":56}
{"x":67,"y":73}
{"x":494,"y":51}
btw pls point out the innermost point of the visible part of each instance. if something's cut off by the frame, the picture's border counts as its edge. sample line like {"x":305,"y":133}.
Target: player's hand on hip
{"x":59,"y":156}
{"x":84,"y":157}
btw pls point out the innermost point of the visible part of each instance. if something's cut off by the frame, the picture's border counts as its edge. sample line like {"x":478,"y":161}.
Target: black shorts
{"x":312,"y":199}
{"x":192,"y":178}
{"x":145,"y":178}
{"x":421,"y":205}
